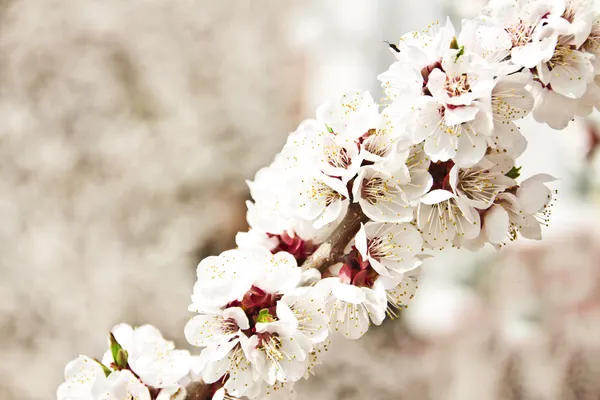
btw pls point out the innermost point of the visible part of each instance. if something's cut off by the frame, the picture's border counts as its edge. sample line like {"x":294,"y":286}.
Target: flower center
{"x":569,"y":13}
{"x":592,"y":43}
{"x":294,"y":245}
{"x":478,"y":184}
{"x":229,"y":326}
{"x":379,"y":247}
{"x":444,"y":215}
{"x":457,"y":85}
{"x":521,"y":33}
{"x":356,"y":271}
{"x":321,"y":191}
{"x":270,"y":344}
{"x":440,"y":172}
{"x":337,"y":156}
{"x":563,"y":56}
{"x":374,"y":142}
{"x":375,"y":190}
{"x":259,"y":306}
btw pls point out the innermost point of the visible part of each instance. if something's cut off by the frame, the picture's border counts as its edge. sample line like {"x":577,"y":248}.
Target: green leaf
{"x":106,"y":370}
{"x":514,"y":172}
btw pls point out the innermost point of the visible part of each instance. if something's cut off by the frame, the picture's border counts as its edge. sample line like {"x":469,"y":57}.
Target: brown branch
{"x":198,"y":391}
{"x":330,"y":252}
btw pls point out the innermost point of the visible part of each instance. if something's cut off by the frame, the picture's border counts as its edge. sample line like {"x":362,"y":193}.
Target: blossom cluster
{"x":359,"y":196}
{"x":139,"y":364}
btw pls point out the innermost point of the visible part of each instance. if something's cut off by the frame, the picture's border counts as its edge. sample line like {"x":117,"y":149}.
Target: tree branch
{"x":329,"y":253}
{"x":198,"y":391}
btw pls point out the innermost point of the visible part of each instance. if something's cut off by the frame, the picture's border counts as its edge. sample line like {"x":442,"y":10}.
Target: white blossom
{"x":263,"y":334}
{"x":400,"y":291}
{"x":86,"y":380}
{"x":521,"y":213}
{"x":530,"y":27}
{"x":152,"y":358}
{"x":511,"y":101}
{"x":443,"y":215}
{"x":390,"y":249}
{"x":479,"y":185}
{"x":319,"y":198}
{"x":567,"y":70}
{"x":352,"y":309}
{"x":381,"y":191}
{"x":144,"y":361}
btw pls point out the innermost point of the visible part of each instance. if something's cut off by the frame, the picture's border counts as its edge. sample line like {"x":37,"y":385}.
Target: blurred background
{"x":127,"y":129}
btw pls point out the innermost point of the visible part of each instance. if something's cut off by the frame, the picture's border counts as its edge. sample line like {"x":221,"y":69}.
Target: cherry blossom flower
{"x":567,"y":70}
{"x":446,"y":138}
{"x":390,"y":249}
{"x":268,"y":328}
{"x":352,"y":309}
{"x":152,"y":358}
{"x":85,"y":379}
{"x":319,"y":198}
{"x":555,"y":109}
{"x":479,"y":185}
{"x":314,"y":146}
{"x":530,"y":27}
{"x":522,"y":212}
{"x":400,"y":291}
{"x":511,"y":101}
{"x":443,"y":215}
{"x":380,"y":192}
{"x":139,"y":365}
{"x":351,"y":115}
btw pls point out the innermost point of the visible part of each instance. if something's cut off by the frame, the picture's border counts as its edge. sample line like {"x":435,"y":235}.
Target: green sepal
{"x":514,"y":172}
{"x":454,"y":43}
{"x":122,"y":357}
{"x":461,"y":51}
{"x":118,"y":353}
{"x":106,"y":370}
{"x":264,"y":316}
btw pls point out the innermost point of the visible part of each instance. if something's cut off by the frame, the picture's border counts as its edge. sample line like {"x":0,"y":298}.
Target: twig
{"x":197,"y":391}
{"x":330,"y":252}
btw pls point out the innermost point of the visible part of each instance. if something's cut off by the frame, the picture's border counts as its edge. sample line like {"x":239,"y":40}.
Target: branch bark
{"x":330,"y":252}
{"x":198,"y":391}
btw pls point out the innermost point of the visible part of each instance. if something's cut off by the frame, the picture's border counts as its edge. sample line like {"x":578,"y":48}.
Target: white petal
{"x":238,"y":315}
{"x":279,"y":274}
{"x":471,"y":149}
{"x":533,"y":194}
{"x":360,"y":241}
{"x":531,"y":228}
{"x":495,"y":225}
{"x":458,"y":115}
{"x":436,"y":196}
{"x":203,"y":330}
{"x":348,"y":293}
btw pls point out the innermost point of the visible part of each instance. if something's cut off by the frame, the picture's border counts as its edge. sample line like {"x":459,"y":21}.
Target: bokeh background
{"x":127,"y":129}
